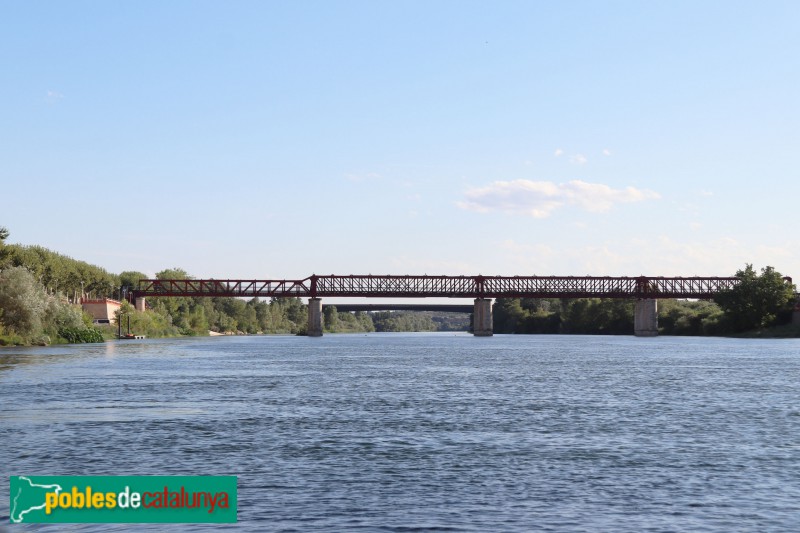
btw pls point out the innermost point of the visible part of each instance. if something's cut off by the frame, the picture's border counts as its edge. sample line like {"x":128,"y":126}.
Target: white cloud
{"x":559,"y":152}
{"x":53,"y":97}
{"x":539,"y":199}
{"x":606,"y":152}
{"x":598,"y":198}
{"x":578,"y":159}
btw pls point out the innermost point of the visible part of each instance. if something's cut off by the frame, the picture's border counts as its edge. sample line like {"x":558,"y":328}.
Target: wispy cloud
{"x":539,"y":199}
{"x":53,"y":97}
{"x":653,"y":256}
{"x":527,"y":249}
{"x":606,"y":152}
{"x":411,"y":265}
{"x":369,"y":176}
{"x":578,"y":159}
{"x":597,"y":259}
{"x":559,"y":152}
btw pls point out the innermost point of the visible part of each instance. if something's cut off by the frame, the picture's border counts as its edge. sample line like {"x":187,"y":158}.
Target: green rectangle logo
{"x":123,"y":499}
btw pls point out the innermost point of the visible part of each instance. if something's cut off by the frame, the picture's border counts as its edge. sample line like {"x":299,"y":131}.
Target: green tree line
{"x":29,"y":312}
{"x":59,"y":274}
{"x":39,"y":289}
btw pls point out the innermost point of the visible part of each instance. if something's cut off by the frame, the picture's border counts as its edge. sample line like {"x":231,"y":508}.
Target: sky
{"x":274,"y":140}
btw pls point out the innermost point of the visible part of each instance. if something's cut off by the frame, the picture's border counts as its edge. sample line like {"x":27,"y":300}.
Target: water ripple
{"x":427,"y":432}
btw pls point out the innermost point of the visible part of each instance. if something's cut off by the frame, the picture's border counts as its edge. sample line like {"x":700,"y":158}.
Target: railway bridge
{"x":646,"y":290}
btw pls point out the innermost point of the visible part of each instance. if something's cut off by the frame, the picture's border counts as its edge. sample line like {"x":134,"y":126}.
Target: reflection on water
{"x":11,"y":357}
{"x":66,"y":412}
{"x":422,"y":432}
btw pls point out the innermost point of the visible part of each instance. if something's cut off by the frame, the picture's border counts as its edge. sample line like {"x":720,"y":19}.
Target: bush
{"x":23,"y":301}
{"x":77,"y":335}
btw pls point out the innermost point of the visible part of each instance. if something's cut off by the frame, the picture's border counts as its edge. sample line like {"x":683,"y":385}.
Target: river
{"x":425,"y":432}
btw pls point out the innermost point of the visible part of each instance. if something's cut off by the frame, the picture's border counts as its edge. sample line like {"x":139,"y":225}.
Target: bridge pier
{"x":139,"y":304}
{"x":645,"y":318}
{"x":314,"y":317}
{"x":482,"y":324}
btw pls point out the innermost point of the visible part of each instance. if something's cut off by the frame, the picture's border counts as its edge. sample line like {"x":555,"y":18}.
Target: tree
{"x":130,"y":278}
{"x":331,"y":318}
{"x":129,"y":281}
{"x":3,"y":234}
{"x":23,"y":302}
{"x":30,"y":314}
{"x":578,"y":316}
{"x":757,"y":301}
{"x":508,"y":315}
{"x":173,"y":273}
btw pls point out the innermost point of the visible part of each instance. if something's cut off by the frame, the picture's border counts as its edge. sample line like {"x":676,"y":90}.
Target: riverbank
{"x":788,"y":331}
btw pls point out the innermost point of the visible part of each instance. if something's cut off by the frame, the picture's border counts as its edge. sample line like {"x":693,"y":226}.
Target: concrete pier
{"x":314,"y":317}
{"x":645,"y":318}
{"x":139,"y":304}
{"x":482,"y":325}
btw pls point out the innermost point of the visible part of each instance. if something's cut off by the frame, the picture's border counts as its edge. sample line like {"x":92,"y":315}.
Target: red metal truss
{"x":605,"y":287}
{"x":396,"y":286}
{"x":219,"y":287}
{"x":446,"y":286}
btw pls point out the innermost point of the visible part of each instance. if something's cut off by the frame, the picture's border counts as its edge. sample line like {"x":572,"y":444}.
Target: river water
{"x":426,"y":432}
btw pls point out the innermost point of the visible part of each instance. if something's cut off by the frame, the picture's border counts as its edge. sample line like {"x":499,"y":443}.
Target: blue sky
{"x":280,"y":139}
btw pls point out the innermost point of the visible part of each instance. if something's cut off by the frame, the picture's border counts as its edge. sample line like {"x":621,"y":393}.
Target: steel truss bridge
{"x":370,"y":286}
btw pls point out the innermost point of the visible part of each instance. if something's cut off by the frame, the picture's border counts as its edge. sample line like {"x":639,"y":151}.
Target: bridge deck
{"x":445,"y":286}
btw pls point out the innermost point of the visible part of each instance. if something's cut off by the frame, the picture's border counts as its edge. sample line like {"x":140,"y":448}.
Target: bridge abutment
{"x":314,"y":317}
{"x":645,"y":318}
{"x":139,"y":304}
{"x":482,"y":324}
